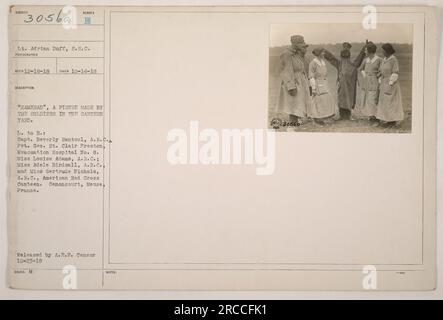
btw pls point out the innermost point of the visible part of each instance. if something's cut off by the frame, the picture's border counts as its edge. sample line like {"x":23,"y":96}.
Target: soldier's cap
{"x":298,"y":41}
{"x":347,"y":45}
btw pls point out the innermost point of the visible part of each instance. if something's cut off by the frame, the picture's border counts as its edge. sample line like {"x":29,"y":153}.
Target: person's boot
{"x":391,"y":124}
{"x":374,"y":122}
{"x":386,"y":124}
{"x":293,"y":120}
{"x":344,"y":114}
{"x":329,"y":120}
{"x":293,"y":123}
{"x":352,"y":117}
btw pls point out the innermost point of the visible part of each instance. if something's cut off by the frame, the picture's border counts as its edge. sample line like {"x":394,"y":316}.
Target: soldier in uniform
{"x":347,"y":78}
{"x":294,"y":95}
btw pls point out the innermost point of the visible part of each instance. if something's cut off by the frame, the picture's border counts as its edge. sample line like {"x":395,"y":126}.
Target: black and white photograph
{"x":340,"y":78}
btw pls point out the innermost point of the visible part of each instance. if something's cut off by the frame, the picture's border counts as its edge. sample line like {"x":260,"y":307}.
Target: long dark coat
{"x":347,"y":78}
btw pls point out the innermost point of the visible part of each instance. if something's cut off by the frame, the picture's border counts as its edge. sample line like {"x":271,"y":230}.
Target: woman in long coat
{"x":368,"y":86}
{"x":389,"y":108}
{"x":322,"y":105}
{"x":294,"y":95}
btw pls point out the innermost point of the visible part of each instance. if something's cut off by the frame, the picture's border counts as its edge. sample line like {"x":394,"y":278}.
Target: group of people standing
{"x":367,"y":86}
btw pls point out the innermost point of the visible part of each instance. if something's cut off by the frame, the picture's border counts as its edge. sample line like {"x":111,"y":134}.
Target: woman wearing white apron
{"x":368,"y":86}
{"x":389,"y":108}
{"x":322,"y":105}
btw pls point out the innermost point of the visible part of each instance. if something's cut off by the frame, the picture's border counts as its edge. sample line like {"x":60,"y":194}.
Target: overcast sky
{"x":337,"y":33}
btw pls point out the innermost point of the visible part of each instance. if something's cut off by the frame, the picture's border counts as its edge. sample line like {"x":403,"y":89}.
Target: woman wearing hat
{"x":294,"y":95}
{"x":389,"y":108}
{"x":322,"y":105}
{"x":368,"y":92}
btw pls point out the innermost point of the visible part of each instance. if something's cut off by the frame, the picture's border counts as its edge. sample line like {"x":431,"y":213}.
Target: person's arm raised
{"x":332,"y":59}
